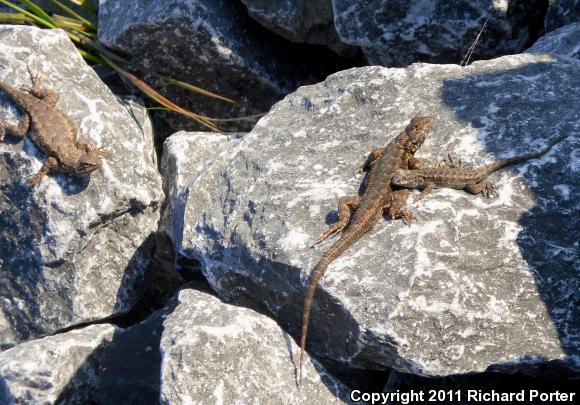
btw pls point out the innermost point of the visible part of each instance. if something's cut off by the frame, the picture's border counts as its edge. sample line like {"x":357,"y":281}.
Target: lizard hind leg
{"x":19,"y":131}
{"x":485,"y":187}
{"x":346,"y":205}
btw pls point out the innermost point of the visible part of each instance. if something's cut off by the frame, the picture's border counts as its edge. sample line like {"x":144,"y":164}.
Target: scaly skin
{"x":472,"y":181}
{"x":53,"y":132}
{"x":358,"y":215}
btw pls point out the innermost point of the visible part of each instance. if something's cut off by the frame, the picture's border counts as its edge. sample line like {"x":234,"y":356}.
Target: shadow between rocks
{"x":551,"y":229}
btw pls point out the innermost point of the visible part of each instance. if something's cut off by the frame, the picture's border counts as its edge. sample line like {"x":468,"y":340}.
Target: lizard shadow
{"x":547,"y":239}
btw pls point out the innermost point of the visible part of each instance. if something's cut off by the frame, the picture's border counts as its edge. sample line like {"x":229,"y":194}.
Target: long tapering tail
{"x":336,"y":250}
{"x":534,"y":155}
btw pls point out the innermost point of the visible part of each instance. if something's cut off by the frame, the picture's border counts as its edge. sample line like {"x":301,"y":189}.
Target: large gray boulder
{"x":562,"y":41}
{"x":235,"y":355}
{"x":473,"y":285}
{"x":208,"y":43}
{"x":72,"y":249}
{"x":303,"y":21}
{"x":400,"y":32}
{"x":63,"y":368}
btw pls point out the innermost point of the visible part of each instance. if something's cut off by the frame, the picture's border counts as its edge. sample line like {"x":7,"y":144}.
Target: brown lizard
{"x":53,"y":132}
{"x":357,"y":215}
{"x":457,"y":177}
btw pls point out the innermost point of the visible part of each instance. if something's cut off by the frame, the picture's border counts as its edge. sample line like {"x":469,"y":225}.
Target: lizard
{"x":358,"y":214}
{"x":457,"y":177}
{"x":52,"y":131}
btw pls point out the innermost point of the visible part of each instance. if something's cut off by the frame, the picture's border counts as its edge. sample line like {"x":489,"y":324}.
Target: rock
{"x":63,"y":368}
{"x":213,"y":352}
{"x":562,"y":12}
{"x":301,"y":21}
{"x":211,"y":44}
{"x":563,"y":41}
{"x":453,"y":292}
{"x":185,"y":156}
{"x":72,"y":250}
{"x":131,"y":364}
{"x":397,"y":33}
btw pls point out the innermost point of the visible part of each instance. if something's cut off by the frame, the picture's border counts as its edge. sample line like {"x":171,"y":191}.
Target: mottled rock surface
{"x":400,"y":32}
{"x":63,"y":368}
{"x":449,"y":294}
{"x":185,"y":156}
{"x":211,"y":44}
{"x":72,"y":249}
{"x":562,"y":12}
{"x":305,"y":21}
{"x":563,"y":41}
{"x":218,"y":353}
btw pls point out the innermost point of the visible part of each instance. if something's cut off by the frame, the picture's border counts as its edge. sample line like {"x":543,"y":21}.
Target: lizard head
{"x":417,"y":131}
{"x":88,"y":163}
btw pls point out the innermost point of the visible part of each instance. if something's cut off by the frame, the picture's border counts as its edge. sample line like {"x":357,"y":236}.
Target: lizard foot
{"x":332,"y":230}
{"x":102,"y":152}
{"x":35,"y":180}
{"x":490,"y":190}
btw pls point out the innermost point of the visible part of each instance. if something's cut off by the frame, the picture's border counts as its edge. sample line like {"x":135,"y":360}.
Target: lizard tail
{"x":506,"y":162}
{"x":336,"y":250}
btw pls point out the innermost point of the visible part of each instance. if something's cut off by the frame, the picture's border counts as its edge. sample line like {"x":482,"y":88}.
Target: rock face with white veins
{"x":475,"y":284}
{"x":562,"y":41}
{"x":300,"y":21}
{"x":400,"y":32}
{"x":218,"y":353}
{"x":211,"y":44}
{"x":72,"y":249}
{"x":64,"y":367}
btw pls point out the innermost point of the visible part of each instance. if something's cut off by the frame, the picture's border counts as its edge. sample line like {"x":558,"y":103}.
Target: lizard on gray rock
{"x":457,"y":177}
{"x":53,"y":132}
{"x":357,"y":215}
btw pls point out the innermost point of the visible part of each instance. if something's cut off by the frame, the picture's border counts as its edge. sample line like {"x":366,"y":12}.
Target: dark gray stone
{"x":473,"y":285}
{"x":64,"y":368}
{"x":208,"y":43}
{"x":218,"y":353}
{"x":400,"y":32}
{"x":72,"y":250}
{"x":303,"y":21}
{"x":562,"y":12}
{"x":563,"y":41}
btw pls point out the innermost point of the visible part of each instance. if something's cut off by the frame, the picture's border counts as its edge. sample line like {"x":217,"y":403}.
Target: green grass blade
{"x":75,"y":15}
{"x":48,"y":23}
{"x":85,"y":4}
{"x":37,"y":10}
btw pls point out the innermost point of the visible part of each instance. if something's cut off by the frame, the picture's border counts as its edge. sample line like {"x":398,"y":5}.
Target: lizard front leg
{"x":49,"y":164}
{"x":85,"y":144}
{"x":429,"y":188}
{"x":373,"y":156}
{"x":346,"y":206}
{"x":396,"y":206}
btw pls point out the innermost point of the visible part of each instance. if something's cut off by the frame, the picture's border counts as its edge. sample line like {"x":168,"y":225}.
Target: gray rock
{"x":57,"y":368}
{"x":303,"y":21}
{"x":563,"y":41}
{"x":453,"y":292}
{"x":209,"y":43}
{"x":185,"y":156}
{"x":561,"y":12}
{"x":72,"y":250}
{"x":234,"y":355}
{"x":400,"y":32}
